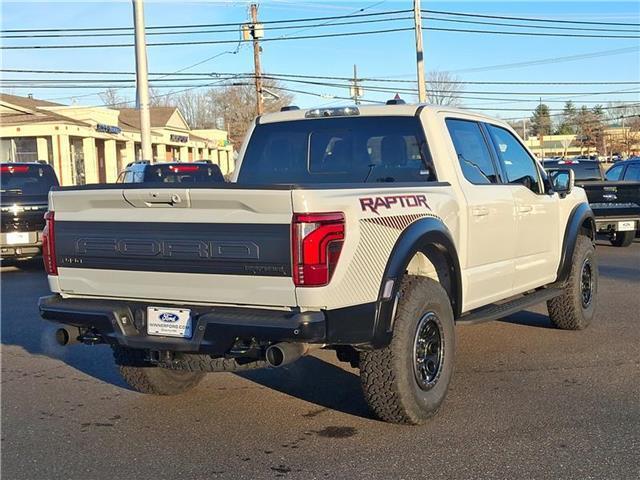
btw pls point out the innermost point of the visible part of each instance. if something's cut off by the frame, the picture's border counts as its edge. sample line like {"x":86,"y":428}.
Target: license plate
{"x":626,"y":226}
{"x":17,"y":238}
{"x":169,"y":322}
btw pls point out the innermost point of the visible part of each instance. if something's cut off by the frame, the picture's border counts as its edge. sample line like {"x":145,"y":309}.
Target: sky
{"x":468,"y":56}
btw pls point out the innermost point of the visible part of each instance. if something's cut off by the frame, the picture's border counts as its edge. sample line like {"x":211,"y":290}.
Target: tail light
{"x":316,"y":241}
{"x":49,"y":245}
{"x":184,"y":168}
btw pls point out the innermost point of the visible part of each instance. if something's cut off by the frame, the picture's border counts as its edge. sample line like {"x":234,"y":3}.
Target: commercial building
{"x":94,"y":144}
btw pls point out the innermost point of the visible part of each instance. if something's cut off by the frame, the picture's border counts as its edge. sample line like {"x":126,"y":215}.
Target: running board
{"x":497,"y":311}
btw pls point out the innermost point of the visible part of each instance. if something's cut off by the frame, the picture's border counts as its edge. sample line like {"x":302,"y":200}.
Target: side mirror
{"x":562,"y":181}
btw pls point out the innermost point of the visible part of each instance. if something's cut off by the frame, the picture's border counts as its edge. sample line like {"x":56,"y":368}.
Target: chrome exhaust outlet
{"x":67,"y":336}
{"x":285,"y":353}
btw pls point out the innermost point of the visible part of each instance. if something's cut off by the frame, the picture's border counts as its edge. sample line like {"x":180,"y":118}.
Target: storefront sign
{"x":101,"y":127}
{"x":179,"y":138}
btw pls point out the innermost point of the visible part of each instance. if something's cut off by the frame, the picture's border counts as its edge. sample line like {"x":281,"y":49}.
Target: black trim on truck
{"x":247,"y":186}
{"x":431,"y":237}
{"x":581,"y":217}
{"x":214,"y":248}
{"x":215,"y":329}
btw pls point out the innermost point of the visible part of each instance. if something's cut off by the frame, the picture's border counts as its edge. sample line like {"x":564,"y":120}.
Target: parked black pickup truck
{"x":614,"y":197}
{"x":24,"y":189}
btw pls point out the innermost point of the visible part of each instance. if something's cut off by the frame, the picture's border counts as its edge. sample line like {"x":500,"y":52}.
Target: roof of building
{"x":130,"y":117}
{"x":29,"y":111}
{"x":26,"y":102}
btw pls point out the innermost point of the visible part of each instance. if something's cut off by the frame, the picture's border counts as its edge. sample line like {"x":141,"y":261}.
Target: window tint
{"x":26,"y":179}
{"x":632,"y":173}
{"x":613,"y":174}
{"x":180,"y":173}
{"x":336,"y":150}
{"x":472,"y":150}
{"x":519,"y":167}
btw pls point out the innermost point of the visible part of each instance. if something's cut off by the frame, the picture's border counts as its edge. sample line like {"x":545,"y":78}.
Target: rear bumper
{"x":32,"y":248}
{"x":215,"y":329}
{"x":610,"y":223}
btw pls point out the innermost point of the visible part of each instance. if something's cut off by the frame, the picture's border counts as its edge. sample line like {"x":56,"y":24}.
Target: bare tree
{"x":231,"y":108}
{"x":111,"y":98}
{"x":442,"y":88}
{"x":157,"y":99}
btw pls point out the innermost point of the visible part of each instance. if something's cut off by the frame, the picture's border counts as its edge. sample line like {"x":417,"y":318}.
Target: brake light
{"x":184,"y":168}
{"x":316,"y":241}
{"x":49,"y":244}
{"x":14,"y":168}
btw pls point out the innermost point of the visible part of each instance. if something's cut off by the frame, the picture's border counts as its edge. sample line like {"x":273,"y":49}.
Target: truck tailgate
{"x":198,"y":245}
{"x":613,"y":199}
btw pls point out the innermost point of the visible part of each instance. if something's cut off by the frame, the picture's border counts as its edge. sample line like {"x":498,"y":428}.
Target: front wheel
{"x":622,"y":239}
{"x":576,"y":307}
{"x":407,"y":381}
{"x":144,"y":377}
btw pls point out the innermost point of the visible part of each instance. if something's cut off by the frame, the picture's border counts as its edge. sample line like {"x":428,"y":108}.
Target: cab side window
{"x":472,"y":151}
{"x":519,"y":167}
{"x":613,"y":174}
{"x":633,"y":173}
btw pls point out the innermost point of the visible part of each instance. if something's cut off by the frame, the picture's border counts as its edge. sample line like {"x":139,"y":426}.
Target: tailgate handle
{"x":158,"y":198}
{"x":163,"y":198}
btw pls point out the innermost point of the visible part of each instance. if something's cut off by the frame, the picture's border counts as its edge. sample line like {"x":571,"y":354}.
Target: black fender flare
{"x":421,"y":236}
{"x":580,"y":215}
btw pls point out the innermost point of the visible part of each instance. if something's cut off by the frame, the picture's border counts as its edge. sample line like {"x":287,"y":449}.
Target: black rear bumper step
{"x":497,"y":311}
{"x":215,"y":329}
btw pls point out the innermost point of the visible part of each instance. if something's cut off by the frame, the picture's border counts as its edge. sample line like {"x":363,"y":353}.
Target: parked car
{"x":24,"y":188}
{"x":171,"y":172}
{"x":368,"y":230}
{"x":616,"y":206}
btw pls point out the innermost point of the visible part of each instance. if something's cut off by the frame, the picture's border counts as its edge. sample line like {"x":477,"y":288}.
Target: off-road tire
{"x":144,"y":377}
{"x":622,"y":239}
{"x":387,"y":375}
{"x":567,"y":311}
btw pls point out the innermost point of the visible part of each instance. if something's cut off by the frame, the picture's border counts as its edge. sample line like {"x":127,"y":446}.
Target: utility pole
{"x":541,"y":133}
{"x":417,"y":18}
{"x":142,"y":81}
{"x":356,"y":90}
{"x":524,"y":129}
{"x":256,"y":33}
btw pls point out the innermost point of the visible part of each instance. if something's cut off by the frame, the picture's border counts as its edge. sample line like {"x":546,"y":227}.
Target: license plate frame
{"x":627,"y":226}
{"x":169,"y":322}
{"x":17,"y":238}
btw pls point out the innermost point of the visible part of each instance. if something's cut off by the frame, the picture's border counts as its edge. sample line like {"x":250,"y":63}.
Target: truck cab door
{"x":489,"y":243}
{"x":536,"y":213}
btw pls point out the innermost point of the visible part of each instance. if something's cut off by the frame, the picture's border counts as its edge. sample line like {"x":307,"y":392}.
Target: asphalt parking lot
{"x":527,"y":401}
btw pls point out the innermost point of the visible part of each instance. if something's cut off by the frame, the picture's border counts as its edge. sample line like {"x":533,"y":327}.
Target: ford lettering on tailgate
{"x":219,"y":248}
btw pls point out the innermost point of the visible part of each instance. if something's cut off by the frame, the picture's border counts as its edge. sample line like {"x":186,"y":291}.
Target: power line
{"x":529,"y":34}
{"x":207,"y":25}
{"x":542,"y":27}
{"x":205,"y":42}
{"x":323,"y":77}
{"x":200,"y":32}
{"x":530,"y":19}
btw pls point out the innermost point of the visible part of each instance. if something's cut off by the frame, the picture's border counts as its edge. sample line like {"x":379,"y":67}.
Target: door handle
{"x":525,"y":208}
{"x":480,"y":211}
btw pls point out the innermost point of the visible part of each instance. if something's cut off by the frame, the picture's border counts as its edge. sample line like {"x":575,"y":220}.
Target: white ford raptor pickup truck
{"x":369,"y":230}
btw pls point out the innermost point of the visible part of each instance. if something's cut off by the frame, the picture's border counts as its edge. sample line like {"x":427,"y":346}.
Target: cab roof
{"x":373,"y":111}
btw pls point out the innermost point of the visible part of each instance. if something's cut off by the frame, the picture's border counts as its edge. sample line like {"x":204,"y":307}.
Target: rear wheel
{"x":622,"y":239}
{"x":407,"y":381}
{"x":145,"y":377}
{"x":575,"y":308}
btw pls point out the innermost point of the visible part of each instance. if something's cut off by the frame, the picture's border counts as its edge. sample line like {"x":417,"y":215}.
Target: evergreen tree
{"x":567,"y":125}
{"x":541,"y":121}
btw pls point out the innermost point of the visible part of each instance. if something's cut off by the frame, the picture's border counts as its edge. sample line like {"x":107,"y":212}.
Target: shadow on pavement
{"x":529,"y":319}
{"x":316,"y":381}
{"x":23,"y":327}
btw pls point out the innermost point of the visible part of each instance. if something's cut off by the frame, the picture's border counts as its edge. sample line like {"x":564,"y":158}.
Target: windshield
{"x":337,"y":150}
{"x":183,"y":173}
{"x":27,"y":179}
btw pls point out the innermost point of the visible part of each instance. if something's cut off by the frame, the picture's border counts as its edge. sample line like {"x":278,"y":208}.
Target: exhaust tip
{"x":62,"y":337}
{"x":274,"y":356}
